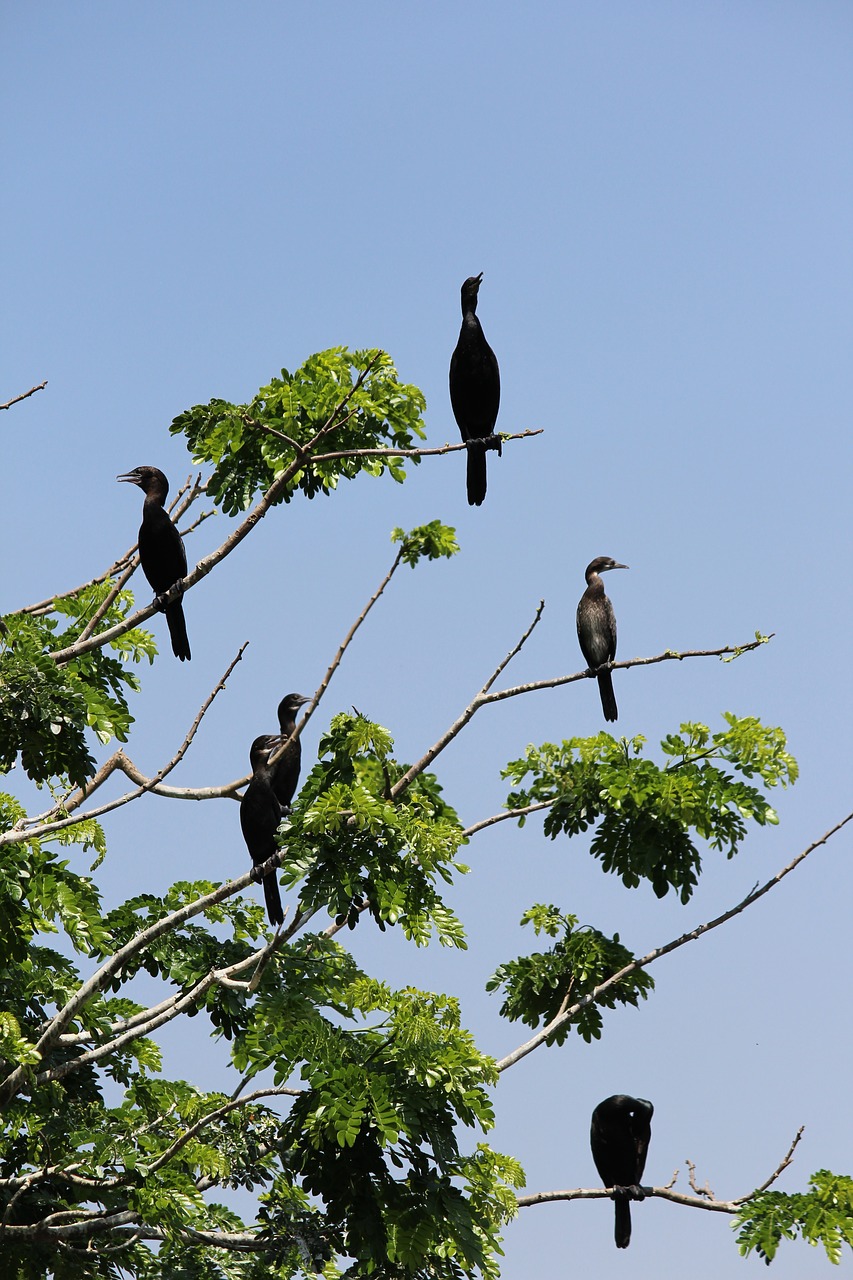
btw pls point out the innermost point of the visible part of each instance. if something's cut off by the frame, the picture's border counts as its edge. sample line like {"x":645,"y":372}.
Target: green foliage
{"x":540,"y":986}
{"x":359,"y":1109}
{"x":646,"y":812}
{"x":337,"y":402}
{"x":375,"y":1138}
{"x":352,"y":841}
{"x":45,"y":709}
{"x":39,"y":893}
{"x":822,"y":1215}
{"x":432,"y":541}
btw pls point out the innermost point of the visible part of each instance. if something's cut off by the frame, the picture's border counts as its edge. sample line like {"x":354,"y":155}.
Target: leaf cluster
{"x":46,"y":709}
{"x":821,"y":1215}
{"x":351,"y":843}
{"x":539,"y":986}
{"x":648,"y":817}
{"x":337,"y":401}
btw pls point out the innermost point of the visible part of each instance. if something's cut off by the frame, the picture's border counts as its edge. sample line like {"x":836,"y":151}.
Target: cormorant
{"x":619,"y":1136}
{"x":475,"y":389}
{"x":260,"y":814}
{"x":161,"y":550}
{"x":597,"y":630}
{"x":285,"y":774}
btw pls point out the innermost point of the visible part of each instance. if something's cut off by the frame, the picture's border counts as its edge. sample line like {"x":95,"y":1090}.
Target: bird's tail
{"x":623,"y":1222}
{"x":608,"y":698}
{"x":476,"y":476}
{"x":272,"y":897}
{"x":178,"y":631}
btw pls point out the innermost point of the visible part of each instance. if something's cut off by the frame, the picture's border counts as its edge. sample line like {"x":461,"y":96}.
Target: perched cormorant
{"x":285,"y":774}
{"x":475,"y":389}
{"x":161,"y":550}
{"x":597,"y":630}
{"x":260,"y":814}
{"x":619,"y":1136}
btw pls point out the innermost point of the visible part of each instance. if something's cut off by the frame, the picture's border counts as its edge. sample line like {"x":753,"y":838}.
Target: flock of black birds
{"x":621,"y":1125}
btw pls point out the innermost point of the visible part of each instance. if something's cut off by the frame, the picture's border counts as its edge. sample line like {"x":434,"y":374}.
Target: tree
{"x":359,"y":1148}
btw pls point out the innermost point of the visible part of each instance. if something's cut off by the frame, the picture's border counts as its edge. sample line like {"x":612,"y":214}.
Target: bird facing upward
{"x":619,"y":1136}
{"x":475,"y":390}
{"x":596,"y":623}
{"x":161,"y":550}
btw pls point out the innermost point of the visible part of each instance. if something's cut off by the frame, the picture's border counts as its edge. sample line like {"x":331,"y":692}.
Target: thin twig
{"x":119,"y":760}
{"x":101,"y":977}
{"x":17,"y":399}
{"x":336,"y":661}
{"x":541,"y":1036}
{"x":470,"y":711}
{"x":703,"y":1199}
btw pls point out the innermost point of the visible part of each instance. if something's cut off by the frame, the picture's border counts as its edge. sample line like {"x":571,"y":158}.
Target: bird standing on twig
{"x":475,"y":390}
{"x":597,"y":631}
{"x":619,"y":1136}
{"x":161,"y":550}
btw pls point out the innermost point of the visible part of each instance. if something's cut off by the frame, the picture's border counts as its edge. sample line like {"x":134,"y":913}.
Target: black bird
{"x":619,"y":1135}
{"x":260,"y":814}
{"x":161,"y":550}
{"x":597,"y":630}
{"x":475,"y":389}
{"x":285,"y":773}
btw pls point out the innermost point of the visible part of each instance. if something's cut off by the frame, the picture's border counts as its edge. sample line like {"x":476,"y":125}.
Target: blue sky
{"x":659,"y":197}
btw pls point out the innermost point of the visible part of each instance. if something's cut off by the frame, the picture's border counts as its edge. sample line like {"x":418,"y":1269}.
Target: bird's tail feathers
{"x":272,"y":897}
{"x":476,"y":476}
{"x":178,"y":631}
{"x":623,"y":1222}
{"x":608,"y":698}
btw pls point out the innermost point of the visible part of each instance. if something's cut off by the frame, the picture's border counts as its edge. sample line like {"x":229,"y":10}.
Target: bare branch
{"x":394,"y":453}
{"x":470,"y":711}
{"x":336,"y":661}
{"x":192,"y":490}
{"x":670,"y":655}
{"x":601,"y":1193}
{"x":102,"y":976}
{"x":23,"y":830}
{"x":703,"y":1199}
{"x":783,"y":1164}
{"x":541,"y":1036}
{"x":502,"y":817}
{"x":17,"y":399}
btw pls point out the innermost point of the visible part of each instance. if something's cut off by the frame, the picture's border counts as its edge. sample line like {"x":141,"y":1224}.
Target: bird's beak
{"x":620,"y":566}
{"x":130,"y":477}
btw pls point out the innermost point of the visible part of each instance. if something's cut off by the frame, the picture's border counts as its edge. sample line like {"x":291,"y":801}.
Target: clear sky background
{"x":659,"y":196}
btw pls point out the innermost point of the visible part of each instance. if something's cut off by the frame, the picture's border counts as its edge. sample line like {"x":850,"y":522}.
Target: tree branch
{"x":704,"y":1199}
{"x":566,"y":1016}
{"x":485,"y":698}
{"x":24,"y":830}
{"x":102,"y":976}
{"x":336,"y":661}
{"x":17,"y":399}
{"x":470,"y":711}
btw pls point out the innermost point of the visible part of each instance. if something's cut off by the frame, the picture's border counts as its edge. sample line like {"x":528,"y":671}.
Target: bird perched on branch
{"x":161,"y":550}
{"x":597,"y":630}
{"x":619,"y":1137}
{"x":260,"y":815}
{"x":286,"y":768}
{"x":475,"y":390}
